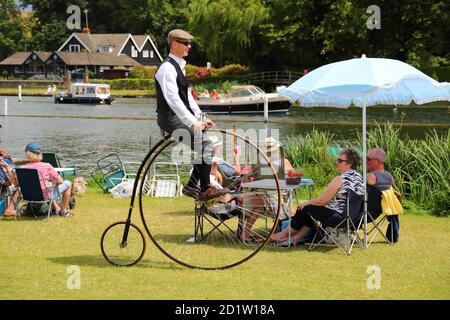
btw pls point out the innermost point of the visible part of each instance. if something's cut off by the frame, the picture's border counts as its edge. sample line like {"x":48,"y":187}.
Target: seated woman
{"x":328,"y":207}
{"x":34,"y":156}
{"x":256,"y":202}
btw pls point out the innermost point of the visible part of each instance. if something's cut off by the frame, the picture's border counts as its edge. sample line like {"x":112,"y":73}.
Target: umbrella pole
{"x":364,"y":172}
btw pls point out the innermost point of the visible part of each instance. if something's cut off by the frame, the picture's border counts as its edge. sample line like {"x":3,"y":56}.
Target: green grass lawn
{"x":36,"y":255}
{"x":25,"y":91}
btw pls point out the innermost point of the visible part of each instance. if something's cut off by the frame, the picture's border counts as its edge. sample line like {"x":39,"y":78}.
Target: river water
{"x":81,"y":134}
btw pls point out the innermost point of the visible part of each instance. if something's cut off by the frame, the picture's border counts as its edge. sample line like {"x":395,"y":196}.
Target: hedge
{"x":195,"y":72}
{"x":128,"y":84}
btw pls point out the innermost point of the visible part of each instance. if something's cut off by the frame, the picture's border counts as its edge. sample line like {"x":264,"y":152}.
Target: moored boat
{"x":245,"y":99}
{"x":86,"y":93}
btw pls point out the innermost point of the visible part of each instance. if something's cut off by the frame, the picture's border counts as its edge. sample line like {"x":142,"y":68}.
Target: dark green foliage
{"x":262,"y":34}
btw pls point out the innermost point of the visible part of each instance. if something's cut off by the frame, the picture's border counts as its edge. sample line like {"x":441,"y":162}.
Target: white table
{"x":270,"y":184}
{"x":65,"y":169}
{"x":286,"y":189}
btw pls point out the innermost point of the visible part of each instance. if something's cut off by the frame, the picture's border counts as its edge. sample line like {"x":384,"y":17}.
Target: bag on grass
{"x":123,"y":189}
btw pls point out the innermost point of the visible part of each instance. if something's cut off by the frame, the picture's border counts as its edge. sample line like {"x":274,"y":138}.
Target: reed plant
{"x":310,"y":153}
{"x":430,"y":179}
{"x":421,"y":168}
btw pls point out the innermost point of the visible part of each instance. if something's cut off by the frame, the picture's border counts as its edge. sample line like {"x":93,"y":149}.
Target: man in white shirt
{"x":177,"y":109}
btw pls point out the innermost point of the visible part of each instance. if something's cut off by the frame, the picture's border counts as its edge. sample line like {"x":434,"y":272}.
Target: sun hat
{"x":271,"y":145}
{"x":215,"y":142}
{"x":33,"y":147}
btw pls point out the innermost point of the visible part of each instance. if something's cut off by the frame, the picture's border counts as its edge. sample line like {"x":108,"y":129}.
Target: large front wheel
{"x":222,"y":232}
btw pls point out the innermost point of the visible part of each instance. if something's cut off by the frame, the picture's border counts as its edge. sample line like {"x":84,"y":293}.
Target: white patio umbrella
{"x":365,"y":82}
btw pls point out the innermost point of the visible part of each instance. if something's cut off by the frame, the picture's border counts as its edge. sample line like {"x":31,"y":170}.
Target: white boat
{"x":86,"y":93}
{"x":245,"y":99}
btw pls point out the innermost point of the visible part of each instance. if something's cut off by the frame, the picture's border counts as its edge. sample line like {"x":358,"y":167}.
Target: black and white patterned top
{"x":351,"y":179}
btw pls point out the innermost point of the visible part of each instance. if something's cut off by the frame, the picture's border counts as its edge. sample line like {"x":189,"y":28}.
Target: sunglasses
{"x":339,"y":160}
{"x":186,"y":43}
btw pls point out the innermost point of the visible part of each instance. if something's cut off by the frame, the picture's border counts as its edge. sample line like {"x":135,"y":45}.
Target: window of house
{"x":151,"y":53}
{"x":105,"y":49}
{"x":134,"y":52}
{"x":74,"y":48}
{"x":145,"y":54}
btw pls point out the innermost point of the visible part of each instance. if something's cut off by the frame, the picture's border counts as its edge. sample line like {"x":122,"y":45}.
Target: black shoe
{"x":190,"y":192}
{"x":213,"y":192}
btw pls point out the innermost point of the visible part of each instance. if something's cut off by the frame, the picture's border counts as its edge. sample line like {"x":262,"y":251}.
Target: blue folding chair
{"x":109,"y":172}
{"x":31,"y":192}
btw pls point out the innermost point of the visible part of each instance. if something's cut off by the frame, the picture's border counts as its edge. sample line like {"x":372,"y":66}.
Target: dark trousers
{"x":328,"y":217}
{"x":169,"y":123}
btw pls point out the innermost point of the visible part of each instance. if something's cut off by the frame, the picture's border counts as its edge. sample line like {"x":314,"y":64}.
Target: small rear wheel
{"x":123,"y":244}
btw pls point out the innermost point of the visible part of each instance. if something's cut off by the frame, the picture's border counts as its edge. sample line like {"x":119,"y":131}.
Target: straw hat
{"x":215,"y":142}
{"x":271,"y":145}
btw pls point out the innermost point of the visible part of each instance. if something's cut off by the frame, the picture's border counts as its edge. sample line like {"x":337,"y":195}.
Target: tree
{"x":223,"y":28}
{"x":50,"y":29}
{"x":49,"y":36}
{"x":11,"y":28}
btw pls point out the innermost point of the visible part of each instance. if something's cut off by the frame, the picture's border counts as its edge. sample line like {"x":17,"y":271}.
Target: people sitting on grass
{"x":33,"y":152}
{"x":255,"y":202}
{"x":328,"y":208}
{"x":7,"y":179}
{"x":379,"y":180}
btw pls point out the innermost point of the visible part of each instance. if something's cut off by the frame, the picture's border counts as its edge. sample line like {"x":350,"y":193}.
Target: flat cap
{"x":178,"y":34}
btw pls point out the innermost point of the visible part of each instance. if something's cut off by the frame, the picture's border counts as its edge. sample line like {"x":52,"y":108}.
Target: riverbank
{"x":40,"y":92}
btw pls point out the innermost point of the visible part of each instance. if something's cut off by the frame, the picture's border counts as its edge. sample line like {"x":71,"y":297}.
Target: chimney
{"x":86,"y":28}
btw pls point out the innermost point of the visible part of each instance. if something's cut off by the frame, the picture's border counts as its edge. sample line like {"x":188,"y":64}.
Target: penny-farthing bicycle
{"x":198,"y":234}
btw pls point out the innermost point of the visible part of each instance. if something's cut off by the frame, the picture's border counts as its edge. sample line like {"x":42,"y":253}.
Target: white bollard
{"x":20,"y":93}
{"x":266,"y":109}
{"x":6,"y":107}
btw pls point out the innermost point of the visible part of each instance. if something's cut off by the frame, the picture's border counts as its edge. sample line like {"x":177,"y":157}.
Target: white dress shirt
{"x":167,"y":79}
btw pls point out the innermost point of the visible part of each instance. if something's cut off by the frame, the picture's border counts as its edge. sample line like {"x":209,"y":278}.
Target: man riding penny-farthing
{"x":203,"y":229}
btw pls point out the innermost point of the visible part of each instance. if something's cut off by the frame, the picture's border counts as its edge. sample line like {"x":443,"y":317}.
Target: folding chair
{"x":383,"y":207}
{"x":30,"y":188}
{"x":217,"y":215}
{"x":348,"y":225}
{"x":229,"y":181}
{"x":110,"y":172}
{"x":54,"y":160}
{"x":4,"y":198}
{"x":165,"y":180}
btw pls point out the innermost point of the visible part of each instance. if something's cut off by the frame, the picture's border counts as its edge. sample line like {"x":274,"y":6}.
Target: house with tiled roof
{"x":139,"y":47}
{"x":101,"y":54}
